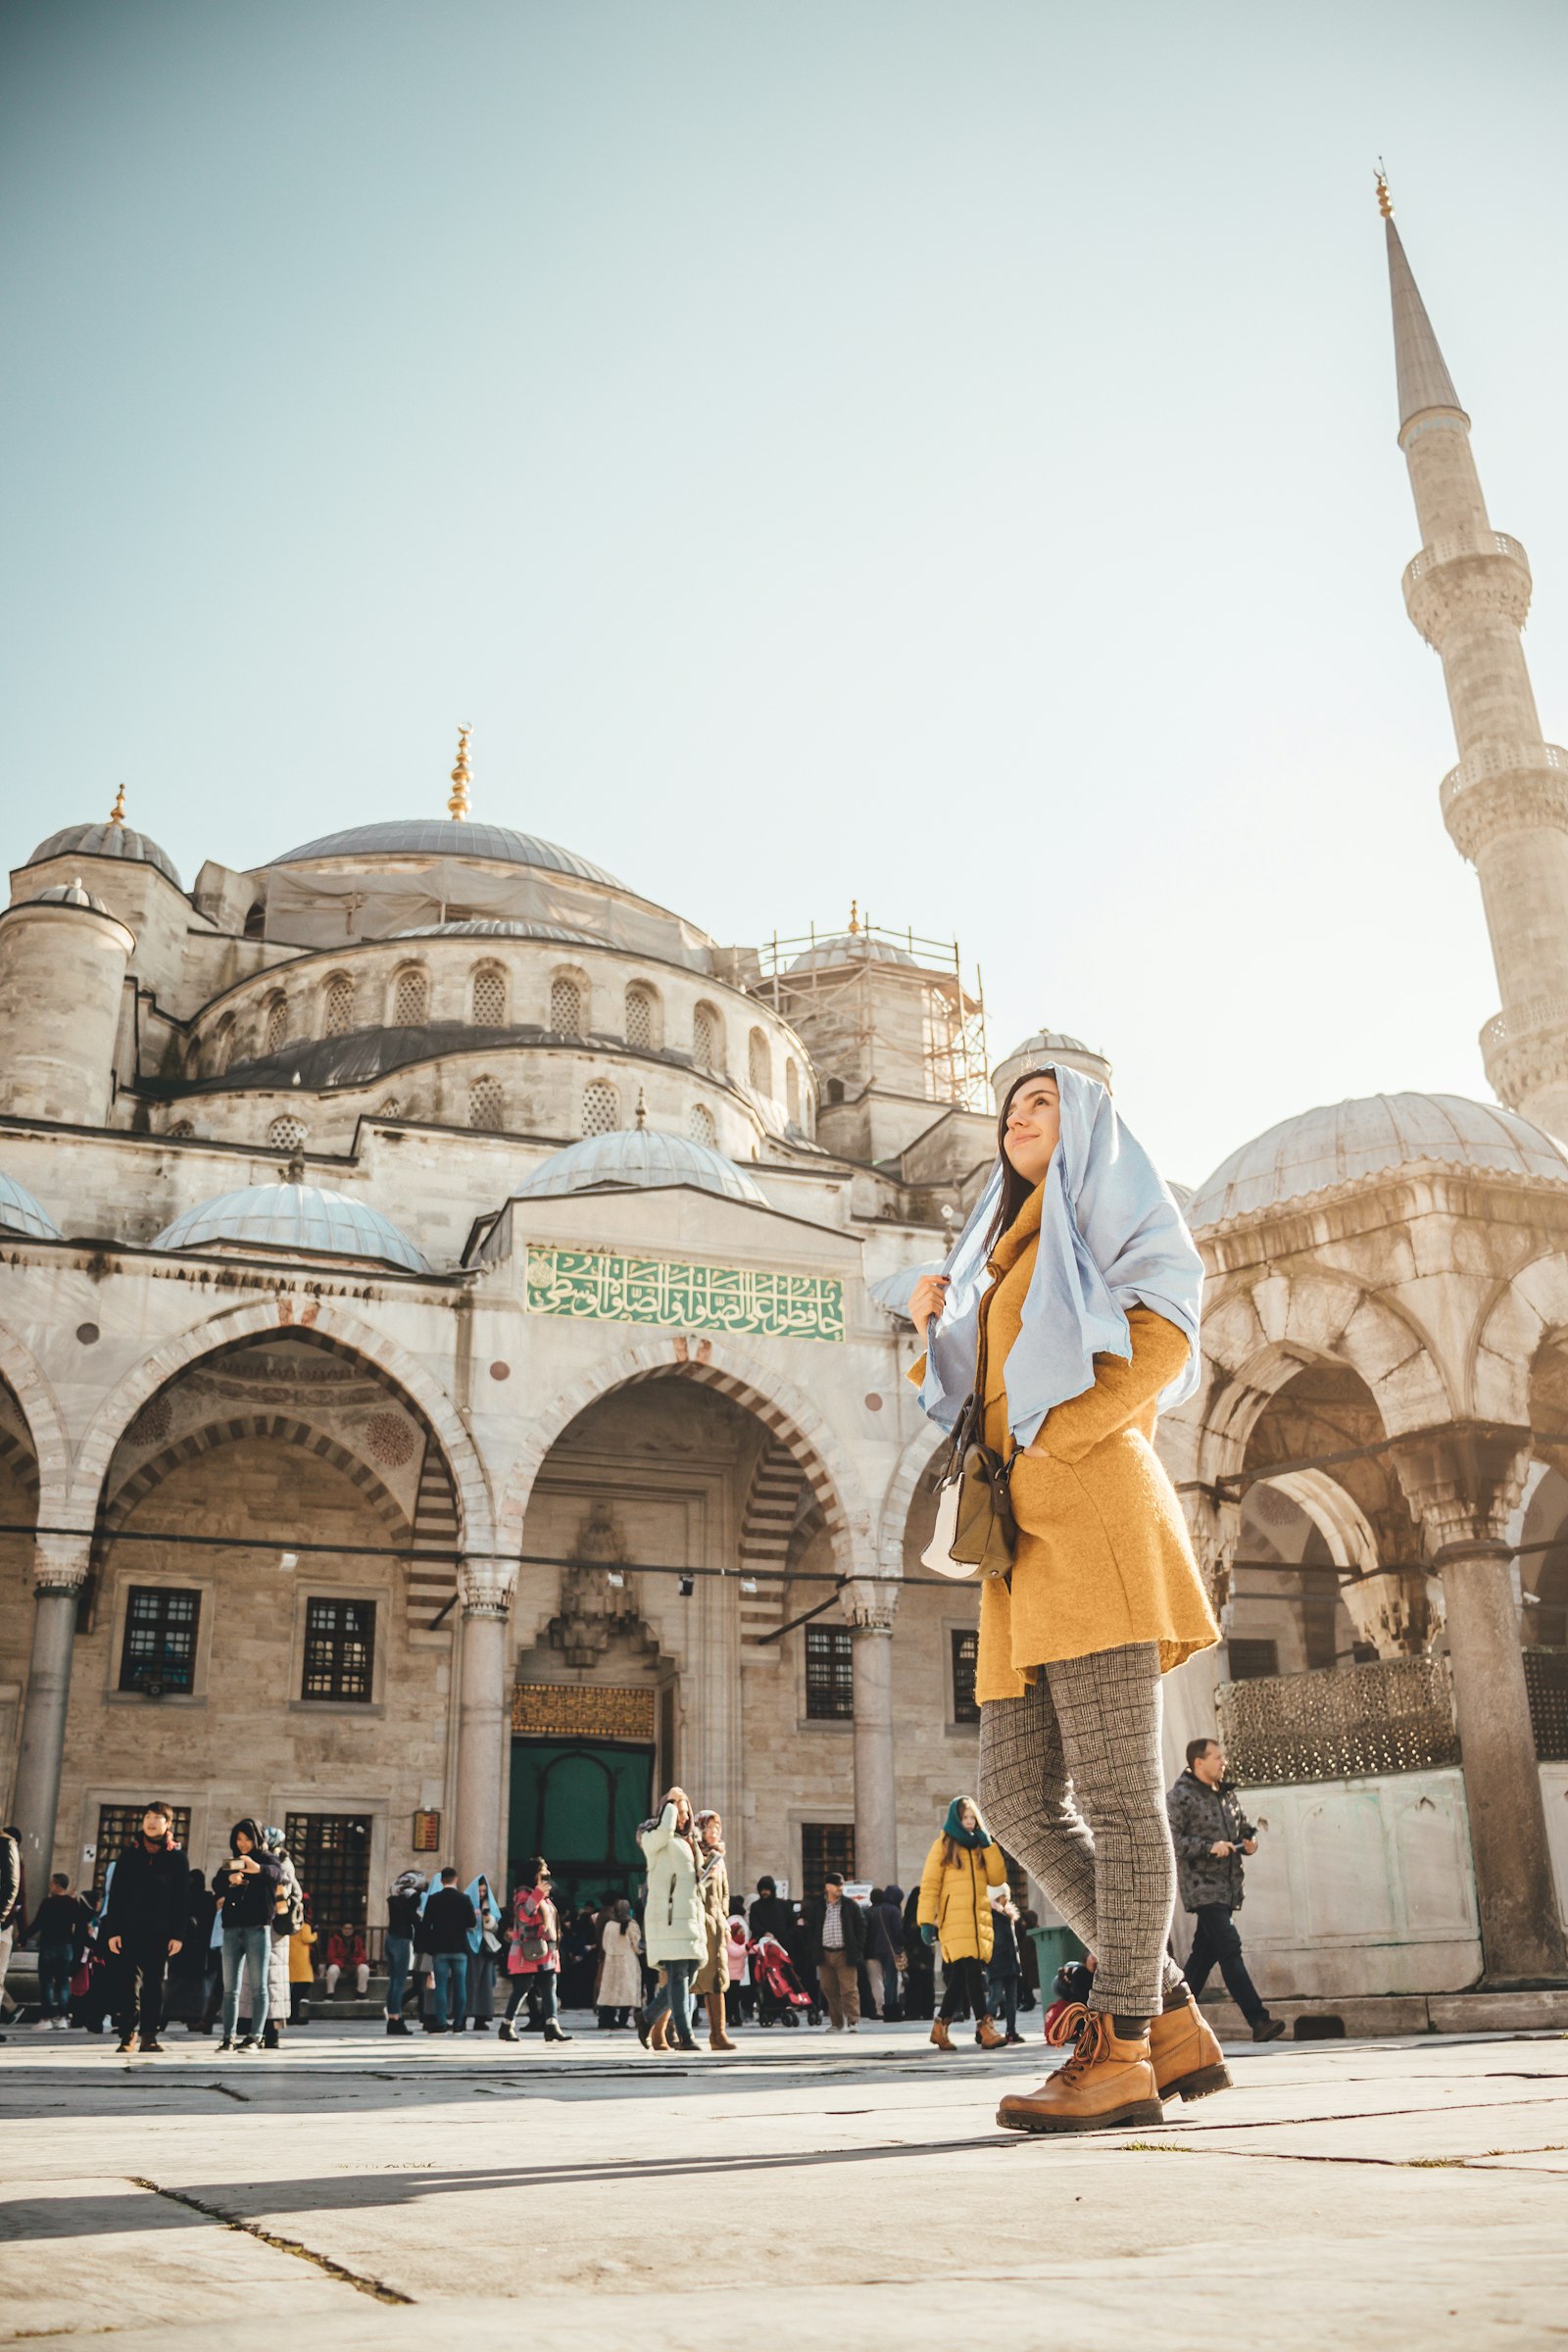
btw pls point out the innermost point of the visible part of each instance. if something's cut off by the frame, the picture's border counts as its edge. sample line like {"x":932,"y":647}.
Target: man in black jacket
{"x":448,"y":1917}
{"x":834,"y":1928}
{"x":145,"y":1919}
{"x":1210,"y":1834}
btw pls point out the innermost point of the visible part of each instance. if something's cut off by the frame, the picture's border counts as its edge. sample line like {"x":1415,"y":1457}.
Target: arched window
{"x":792,"y":1092}
{"x":759,"y":1064}
{"x":565,"y":1004}
{"x":708,"y":1039}
{"x":287,"y":1134}
{"x":338,"y":1006}
{"x":410,"y":998}
{"x":222,"y":1045}
{"x":700,"y":1124}
{"x":180,"y":1132}
{"x":487,"y":1105}
{"x":255,"y":921}
{"x":601,"y":1107}
{"x":275,"y":1037}
{"x":489,"y":997}
{"x":640,"y":1018}
{"x":391,"y":1109}
{"x":835,"y":1089}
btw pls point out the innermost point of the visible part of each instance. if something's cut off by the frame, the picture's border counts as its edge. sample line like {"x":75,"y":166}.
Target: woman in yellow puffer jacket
{"x":964,"y":1865}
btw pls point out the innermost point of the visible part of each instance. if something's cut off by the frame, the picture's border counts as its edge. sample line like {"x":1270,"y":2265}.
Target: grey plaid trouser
{"x":1071,"y":1782}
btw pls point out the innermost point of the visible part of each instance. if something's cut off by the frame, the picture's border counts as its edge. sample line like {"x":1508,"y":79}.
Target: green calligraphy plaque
{"x":598,"y":1285}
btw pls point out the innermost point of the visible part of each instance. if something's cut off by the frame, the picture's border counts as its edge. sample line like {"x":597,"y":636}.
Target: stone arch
{"x":912,"y":1464}
{"x":1521,"y":1315}
{"x":326,"y":1318}
{"x":281,"y":1428}
{"x":782,"y":1409}
{"x":39,"y":1407}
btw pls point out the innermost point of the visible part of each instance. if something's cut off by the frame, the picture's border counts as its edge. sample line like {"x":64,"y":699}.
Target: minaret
{"x":1506,"y":803}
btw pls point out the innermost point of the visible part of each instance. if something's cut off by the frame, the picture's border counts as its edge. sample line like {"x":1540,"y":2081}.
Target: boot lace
{"x":1085,"y":2029}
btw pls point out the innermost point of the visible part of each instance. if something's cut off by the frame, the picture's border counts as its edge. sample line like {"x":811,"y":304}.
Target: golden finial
{"x":117,"y":814}
{"x":642,"y":1108}
{"x":458,"y":804}
{"x":854,"y":918}
{"x":1385,"y":200}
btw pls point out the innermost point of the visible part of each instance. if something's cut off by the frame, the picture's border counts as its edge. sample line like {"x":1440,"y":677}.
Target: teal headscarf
{"x":954,"y":1828}
{"x":1112,"y":1237}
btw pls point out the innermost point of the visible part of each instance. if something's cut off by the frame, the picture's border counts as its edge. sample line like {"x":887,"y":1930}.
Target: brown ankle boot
{"x":658,"y":2033}
{"x":941,"y":2036}
{"x":718,"y":2038}
{"x":1189,"y":2062}
{"x":1106,"y":2085}
{"x":989,"y":2034}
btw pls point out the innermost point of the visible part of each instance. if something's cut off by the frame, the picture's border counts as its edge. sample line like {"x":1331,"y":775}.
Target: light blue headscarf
{"x":472,"y":1890}
{"x":1110,"y":1238}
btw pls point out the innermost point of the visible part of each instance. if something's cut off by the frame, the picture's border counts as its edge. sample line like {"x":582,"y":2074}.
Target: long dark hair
{"x":1015,"y":1189}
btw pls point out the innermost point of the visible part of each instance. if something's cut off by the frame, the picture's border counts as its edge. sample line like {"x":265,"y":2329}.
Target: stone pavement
{"x":808,"y":2191}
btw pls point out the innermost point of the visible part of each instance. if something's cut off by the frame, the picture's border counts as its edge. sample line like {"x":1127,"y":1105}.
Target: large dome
{"x":484,"y":926}
{"x":1346,"y":1143}
{"x":294,"y":1217}
{"x":640,"y":1157}
{"x":447,"y":837}
{"x":109,"y":840}
{"x":19,"y":1212}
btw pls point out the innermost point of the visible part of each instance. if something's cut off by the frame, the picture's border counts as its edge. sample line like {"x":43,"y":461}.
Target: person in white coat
{"x":620,"y":1990}
{"x":674,"y":1927}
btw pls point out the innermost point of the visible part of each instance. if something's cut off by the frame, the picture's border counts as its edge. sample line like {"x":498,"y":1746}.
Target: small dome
{"x":851,"y":947}
{"x":1049,"y":1045}
{"x":448,"y":837}
{"x":484,"y":927}
{"x":67,"y":894}
{"x":109,"y":840}
{"x":293,"y":1216}
{"x":640,"y":1157}
{"x":1347,"y":1142}
{"x":19,"y":1213}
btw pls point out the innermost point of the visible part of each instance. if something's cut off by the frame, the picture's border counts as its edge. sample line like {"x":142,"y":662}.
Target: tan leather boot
{"x":718,"y":2038}
{"x":1104,"y":2085}
{"x":989,"y":2034}
{"x":1188,"y":2063}
{"x":941,"y":2036}
{"x":659,"y":2033}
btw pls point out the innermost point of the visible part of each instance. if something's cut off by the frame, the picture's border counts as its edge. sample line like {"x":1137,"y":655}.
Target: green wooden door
{"x":578,"y":1804}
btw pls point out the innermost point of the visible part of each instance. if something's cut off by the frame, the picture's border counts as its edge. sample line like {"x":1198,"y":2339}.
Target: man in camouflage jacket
{"x":1210,"y":1834}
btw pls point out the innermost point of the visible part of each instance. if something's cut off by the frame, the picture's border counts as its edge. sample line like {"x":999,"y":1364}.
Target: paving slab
{"x":1382,"y":2192}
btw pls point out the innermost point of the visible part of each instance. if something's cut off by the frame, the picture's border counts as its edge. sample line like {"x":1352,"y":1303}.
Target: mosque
{"x":451,"y":1380}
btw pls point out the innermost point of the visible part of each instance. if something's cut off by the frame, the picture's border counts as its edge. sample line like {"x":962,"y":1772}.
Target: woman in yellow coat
{"x":1069,"y":1309}
{"x":964,"y":1865}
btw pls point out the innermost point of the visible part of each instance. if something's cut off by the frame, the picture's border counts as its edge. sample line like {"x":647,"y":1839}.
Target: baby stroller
{"x":779,"y":1999}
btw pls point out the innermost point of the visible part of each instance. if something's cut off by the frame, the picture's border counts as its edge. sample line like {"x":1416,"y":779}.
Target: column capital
{"x":871,"y":1606}
{"x":60,"y":1562}
{"x":1464,"y":1481}
{"x":485,"y":1587}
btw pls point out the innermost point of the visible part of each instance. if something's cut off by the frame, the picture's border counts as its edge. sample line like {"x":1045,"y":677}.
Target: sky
{"x":936,"y":454}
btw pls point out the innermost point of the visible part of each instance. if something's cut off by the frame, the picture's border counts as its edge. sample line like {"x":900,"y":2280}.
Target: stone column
{"x":486,"y":1586}
{"x":871,"y":1609}
{"x":60,"y":1570}
{"x":1465,"y":1483}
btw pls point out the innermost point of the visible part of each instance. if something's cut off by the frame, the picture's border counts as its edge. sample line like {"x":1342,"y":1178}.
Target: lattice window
{"x":1252,"y":1661}
{"x":487,"y":1105}
{"x":338,"y":1006}
{"x":1546,"y":1682}
{"x":489,"y":997}
{"x":410,"y":998}
{"x":159,"y":1649}
{"x":118,"y":1826}
{"x":181,"y":1131}
{"x":391,"y":1109}
{"x":829,"y":1674}
{"x":708,"y":1039}
{"x":339,"y":1651}
{"x":792,"y":1092}
{"x":759,"y":1064}
{"x":287,"y":1134}
{"x":702,"y":1128}
{"x":331,"y":1857}
{"x":965,"y":1654}
{"x":1339,"y":1724}
{"x":825,"y":1845}
{"x":566,"y":1006}
{"x":601,"y":1107}
{"x":275,"y":1034}
{"x":640,"y":1019}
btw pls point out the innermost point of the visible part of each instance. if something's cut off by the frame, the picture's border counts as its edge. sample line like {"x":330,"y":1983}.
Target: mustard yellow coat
{"x":955,"y":1902}
{"x":1103,"y":1556}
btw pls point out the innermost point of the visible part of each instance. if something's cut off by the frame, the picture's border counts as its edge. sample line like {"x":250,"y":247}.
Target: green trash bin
{"x":1053,"y":1949}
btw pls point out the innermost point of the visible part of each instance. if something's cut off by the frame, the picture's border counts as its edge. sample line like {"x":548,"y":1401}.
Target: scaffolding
{"x":887,"y":1004}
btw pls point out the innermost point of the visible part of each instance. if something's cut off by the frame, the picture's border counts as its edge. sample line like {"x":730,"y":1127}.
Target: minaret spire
{"x":461,"y":778}
{"x":1506,"y":803}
